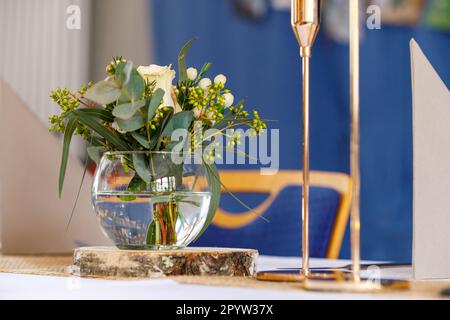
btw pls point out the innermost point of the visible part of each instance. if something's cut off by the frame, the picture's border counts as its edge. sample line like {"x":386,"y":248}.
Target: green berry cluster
{"x":258,"y":125}
{"x":159,"y":115}
{"x":209,"y":104}
{"x":239,"y":111}
{"x":196,"y":97}
{"x":68,"y":101}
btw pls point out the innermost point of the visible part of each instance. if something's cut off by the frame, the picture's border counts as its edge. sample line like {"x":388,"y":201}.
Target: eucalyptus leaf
{"x":123,"y":72}
{"x":154,"y":103}
{"x":134,"y":123}
{"x":141,"y":139}
{"x":141,"y":167}
{"x":161,"y":165}
{"x":68,"y":133}
{"x":96,"y":153}
{"x":181,"y":120}
{"x":100,"y":114}
{"x":135,"y":87}
{"x":127,"y":110}
{"x":182,"y":60}
{"x":103,"y":92}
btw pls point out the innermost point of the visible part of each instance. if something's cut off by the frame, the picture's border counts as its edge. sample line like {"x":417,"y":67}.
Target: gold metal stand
{"x":305,"y":20}
{"x":353,"y":283}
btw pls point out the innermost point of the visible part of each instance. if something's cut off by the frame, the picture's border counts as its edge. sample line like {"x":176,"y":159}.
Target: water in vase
{"x":151,"y":221}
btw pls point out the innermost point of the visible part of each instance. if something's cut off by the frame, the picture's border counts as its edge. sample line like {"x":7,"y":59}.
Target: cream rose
{"x":163,"y":75}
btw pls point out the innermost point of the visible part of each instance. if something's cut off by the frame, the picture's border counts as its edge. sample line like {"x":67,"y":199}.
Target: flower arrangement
{"x":138,"y":109}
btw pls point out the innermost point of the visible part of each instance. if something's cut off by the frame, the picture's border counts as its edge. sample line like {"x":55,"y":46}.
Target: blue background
{"x":261,"y":61}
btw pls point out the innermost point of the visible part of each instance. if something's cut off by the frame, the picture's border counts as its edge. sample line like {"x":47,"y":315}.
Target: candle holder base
{"x":295,"y":275}
{"x":332,"y":280}
{"x":348,"y":285}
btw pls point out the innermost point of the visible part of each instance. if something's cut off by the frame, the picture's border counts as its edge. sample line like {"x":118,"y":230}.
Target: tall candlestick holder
{"x":305,"y":21}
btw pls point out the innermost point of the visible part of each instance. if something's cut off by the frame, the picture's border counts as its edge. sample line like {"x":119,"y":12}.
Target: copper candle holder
{"x":305,"y":21}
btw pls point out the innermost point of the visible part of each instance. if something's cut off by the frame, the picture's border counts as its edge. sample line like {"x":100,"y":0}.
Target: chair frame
{"x":254,"y":181}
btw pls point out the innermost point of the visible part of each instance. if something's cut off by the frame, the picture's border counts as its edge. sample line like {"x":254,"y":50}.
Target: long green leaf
{"x":101,"y":114}
{"x":212,"y":175}
{"x":141,"y":139}
{"x":68,"y":133}
{"x":182,"y":60}
{"x":110,"y":136}
{"x":216,"y":174}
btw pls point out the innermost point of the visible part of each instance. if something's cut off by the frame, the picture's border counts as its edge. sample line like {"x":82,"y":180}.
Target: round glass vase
{"x":151,"y":200}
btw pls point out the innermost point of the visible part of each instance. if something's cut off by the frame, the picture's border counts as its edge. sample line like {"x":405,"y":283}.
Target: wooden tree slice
{"x":111,"y":262}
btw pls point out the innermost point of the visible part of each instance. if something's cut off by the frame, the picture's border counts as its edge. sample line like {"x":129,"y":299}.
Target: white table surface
{"x":14,"y":286}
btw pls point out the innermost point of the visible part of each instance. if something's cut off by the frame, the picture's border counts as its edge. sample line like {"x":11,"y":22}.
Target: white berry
{"x":220,"y":79}
{"x":228,"y":100}
{"x":205,"y":83}
{"x":192,"y":73}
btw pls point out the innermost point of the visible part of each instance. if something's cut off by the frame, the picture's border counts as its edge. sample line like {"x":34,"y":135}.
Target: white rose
{"x":220,"y":79}
{"x":163,"y":75}
{"x":205,"y":83}
{"x":229,"y":99}
{"x":192,"y":73}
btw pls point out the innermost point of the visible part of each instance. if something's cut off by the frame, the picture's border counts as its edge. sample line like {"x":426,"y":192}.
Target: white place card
{"x":431,"y":131}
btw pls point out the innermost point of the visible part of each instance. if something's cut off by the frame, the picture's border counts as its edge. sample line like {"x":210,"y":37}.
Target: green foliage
{"x":125,"y":112}
{"x":68,"y":133}
{"x":134,"y":123}
{"x":111,"y":137}
{"x":212,"y":175}
{"x":95,"y":153}
{"x":142,"y":167}
{"x":103,"y":92}
{"x":154,"y":103}
{"x":141,"y":139}
{"x":123,"y":72}
{"x":135,"y":87}
{"x":182,"y":60}
{"x":203,"y":70}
